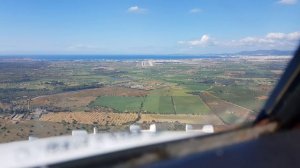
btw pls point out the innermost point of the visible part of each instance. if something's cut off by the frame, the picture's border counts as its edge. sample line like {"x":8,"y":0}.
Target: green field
{"x":119,"y":103}
{"x":158,"y":104}
{"x":190,"y":105}
{"x":151,"y":104}
{"x":160,"y":101}
{"x":165,"y":105}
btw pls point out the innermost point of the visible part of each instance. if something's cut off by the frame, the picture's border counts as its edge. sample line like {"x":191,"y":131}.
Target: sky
{"x":147,"y":26}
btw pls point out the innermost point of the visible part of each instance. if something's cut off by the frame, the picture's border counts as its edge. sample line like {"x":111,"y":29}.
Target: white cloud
{"x":275,"y":35}
{"x":294,"y":36}
{"x":195,"y":10}
{"x":269,"y":41}
{"x":282,"y":36}
{"x":288,"y":2}
{"x":136,"y":9}
{"x":272,"y":39}
{"x":205,"y":40}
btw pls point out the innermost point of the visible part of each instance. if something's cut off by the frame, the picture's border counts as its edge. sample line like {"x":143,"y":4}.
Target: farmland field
{"x":151,"y":104}
{"x":190,"y":105}
{"x":159,"y":101}
{"x":166,"y":105}
{"x":119,"y":103}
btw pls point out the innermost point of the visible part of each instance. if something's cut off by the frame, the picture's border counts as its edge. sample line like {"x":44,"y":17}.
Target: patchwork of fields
{"x":219,"y":91}
{"x":162,"y":101}
{"x":174,"y":100}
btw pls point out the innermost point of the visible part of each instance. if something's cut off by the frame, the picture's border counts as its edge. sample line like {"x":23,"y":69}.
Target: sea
{"x":109,"y":57}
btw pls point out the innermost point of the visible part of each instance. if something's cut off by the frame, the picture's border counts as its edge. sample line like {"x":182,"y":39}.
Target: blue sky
{"x":147,"y":26}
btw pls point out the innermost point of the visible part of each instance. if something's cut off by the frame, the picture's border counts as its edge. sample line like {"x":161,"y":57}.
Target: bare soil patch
{"x":262,"y":97}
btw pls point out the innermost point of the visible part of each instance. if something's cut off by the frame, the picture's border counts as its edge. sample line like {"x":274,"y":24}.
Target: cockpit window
{"x":83,"y":67}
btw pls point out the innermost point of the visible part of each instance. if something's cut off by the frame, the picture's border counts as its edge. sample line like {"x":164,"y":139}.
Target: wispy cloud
{"x":195,"y":10}
{"x":136,"y":9}
{"x":82,"y":47}
{"x":287,"y":2}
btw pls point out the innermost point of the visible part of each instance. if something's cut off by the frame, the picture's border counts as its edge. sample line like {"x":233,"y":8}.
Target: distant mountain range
{"x":265,"y":52}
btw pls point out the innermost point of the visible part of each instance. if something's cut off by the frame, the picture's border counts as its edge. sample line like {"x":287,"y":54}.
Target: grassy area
{"x":190,"y":105}
{"x":158,"y":104}
{"x":159,"y":101}
{"x":229,"y":118}
{"x":119,"y":103}
{"x":165,"y":105}
{"x":151,"y":104}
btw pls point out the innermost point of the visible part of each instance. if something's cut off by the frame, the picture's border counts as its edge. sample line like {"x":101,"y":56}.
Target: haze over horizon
{"x":147,"y":27}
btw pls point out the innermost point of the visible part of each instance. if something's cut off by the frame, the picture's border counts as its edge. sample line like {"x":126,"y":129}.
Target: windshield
{"x":83,"y":67}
